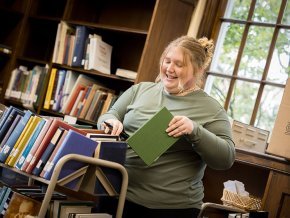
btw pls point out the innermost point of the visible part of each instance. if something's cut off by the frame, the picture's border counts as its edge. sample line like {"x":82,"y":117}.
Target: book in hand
{"x":73,"y":143}
{"x":150,"y":141}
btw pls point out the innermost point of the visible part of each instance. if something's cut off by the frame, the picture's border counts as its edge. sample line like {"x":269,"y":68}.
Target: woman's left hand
{"x":180,"y":125}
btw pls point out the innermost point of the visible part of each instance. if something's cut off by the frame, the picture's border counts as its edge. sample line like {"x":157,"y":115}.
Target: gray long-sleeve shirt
{"x":175,"y":179}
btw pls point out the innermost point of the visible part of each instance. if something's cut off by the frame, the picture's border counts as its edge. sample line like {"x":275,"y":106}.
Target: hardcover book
{"x":5,"y":151}
{"x":110,"y":180}
{"x":47,"y":138}
{"x":16,"y":153}
{"x":48,"y":151}
{"x":151,"y":140}
{"x":30,"y":143}
{"x":82,"y":34}
{"x":10,"y":130}
{"x":36,"y":144}
{"x":74,"y":143}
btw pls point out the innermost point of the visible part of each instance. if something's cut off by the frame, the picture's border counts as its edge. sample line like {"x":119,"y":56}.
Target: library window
{"x":250,"y":65}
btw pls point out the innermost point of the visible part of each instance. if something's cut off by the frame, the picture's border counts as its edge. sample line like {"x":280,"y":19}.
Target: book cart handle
{"x":92,"y":161}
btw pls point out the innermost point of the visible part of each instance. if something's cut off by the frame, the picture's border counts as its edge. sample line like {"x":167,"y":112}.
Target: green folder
{"x":151,"y":140}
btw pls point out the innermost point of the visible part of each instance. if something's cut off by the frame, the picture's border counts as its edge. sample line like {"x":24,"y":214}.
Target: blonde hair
{"x":199,"y":51}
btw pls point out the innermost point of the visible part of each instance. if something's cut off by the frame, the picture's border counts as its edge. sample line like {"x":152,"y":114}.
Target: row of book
{"x":77,"y":47}
{"x":34,"y":144}
{"x":26,"y":86}
{"x":77,"y":95}
{"x":26,"y":200}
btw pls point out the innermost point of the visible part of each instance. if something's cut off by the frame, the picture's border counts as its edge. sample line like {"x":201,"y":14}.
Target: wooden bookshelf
{"x":138,"y":31}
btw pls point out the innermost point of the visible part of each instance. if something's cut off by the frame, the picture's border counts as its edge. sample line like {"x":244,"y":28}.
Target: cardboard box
{"x":249,"y":137}
{"x":280,"y":140}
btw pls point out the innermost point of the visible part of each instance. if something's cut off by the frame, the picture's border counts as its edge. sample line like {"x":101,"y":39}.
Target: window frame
{"x":210,"y":27}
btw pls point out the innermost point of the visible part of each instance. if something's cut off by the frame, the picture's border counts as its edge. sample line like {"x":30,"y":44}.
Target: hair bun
{"x":208,"y":46}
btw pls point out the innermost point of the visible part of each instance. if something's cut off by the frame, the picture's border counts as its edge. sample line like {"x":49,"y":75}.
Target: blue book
{"x":2,"y":193}
{"x":82,"y":34}
{"x":30,"y":144}
{"x":73,"y":143}
{"x":10,"y":130}
{"x":5,"y":198}
{"x":8,"y":121}
{"x":5,"y":115}
{"x":7,"y":148}
{"x":114,"y":151}
{"x":48,"y":151}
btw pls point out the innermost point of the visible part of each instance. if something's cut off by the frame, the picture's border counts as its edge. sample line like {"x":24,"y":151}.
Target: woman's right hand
{"x":117,"y":127}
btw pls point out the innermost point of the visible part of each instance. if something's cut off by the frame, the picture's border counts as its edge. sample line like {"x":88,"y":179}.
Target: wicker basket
{"x":243,"y":202}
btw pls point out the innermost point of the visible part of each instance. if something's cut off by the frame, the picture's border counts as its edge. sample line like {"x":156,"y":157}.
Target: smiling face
{"x":176,"y":71}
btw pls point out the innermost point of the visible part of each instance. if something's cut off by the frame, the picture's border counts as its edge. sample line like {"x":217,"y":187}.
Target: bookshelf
{"x":138,"y":31}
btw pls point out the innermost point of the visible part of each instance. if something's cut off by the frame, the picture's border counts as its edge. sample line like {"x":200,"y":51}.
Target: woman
{"x":172,"y":186}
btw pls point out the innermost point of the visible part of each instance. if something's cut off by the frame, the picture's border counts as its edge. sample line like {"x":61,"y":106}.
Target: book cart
{"x":87,"y":182}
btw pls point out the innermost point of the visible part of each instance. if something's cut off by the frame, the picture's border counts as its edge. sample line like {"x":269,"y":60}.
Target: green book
{"x":151,"y":140}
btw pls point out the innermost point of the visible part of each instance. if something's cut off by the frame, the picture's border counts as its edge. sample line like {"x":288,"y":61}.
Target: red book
{"x":47,"y":138}
{"x":74,"y":96}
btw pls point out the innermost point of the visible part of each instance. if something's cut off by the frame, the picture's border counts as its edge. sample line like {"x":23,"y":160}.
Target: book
{"x":36,"y":144}
{"x":19,"y":140}
{"x":21,"y":205}
{"x":81,"y":82}
{"x":62,"y":208}
{"x":9,"y":120}
{"x":49,"y":88}
{"x":6,"y":149}
{"x":89,"y":100}
{"x":59,"y":90}
{"x":47,"y":138}
{"x":57,"y":146}
{"x":102,"y":137}
{"x":74,"y":143}
{"x":30,"y":143}
{"x":48,"y":151}
{"x":150,"y":141}
{"x":94,"y":104}
{"x":110,"y":180}
{"x":16,"y":153}
{"x":100,"y":56}
{"x":70,"y":79}
{"x":91,"y":215}
{"x":126,"y":73}
{"x":82,"y":34}
{"x":5,"y":200}
{"x":5,"y":115}
{"x":10,"y":130}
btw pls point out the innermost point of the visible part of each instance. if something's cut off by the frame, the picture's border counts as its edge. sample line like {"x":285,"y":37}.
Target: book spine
{"x":5,"y":151}
{"x":49,"y":89}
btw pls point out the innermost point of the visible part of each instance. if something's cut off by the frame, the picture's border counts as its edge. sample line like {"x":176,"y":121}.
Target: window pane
{"x":238,"y":9}
{"x":286,"y":16}
{"x":269,"y":106}
{"x":255,"y":52}
{"x":266,"y":11}
{"x":217,"y":87}
{"x":279,"y":68}
{"x":227,"y":48}
{"x":243,"y":100}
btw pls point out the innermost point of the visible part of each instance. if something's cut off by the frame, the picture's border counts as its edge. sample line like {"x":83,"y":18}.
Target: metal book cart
{"x":87,"y":181}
